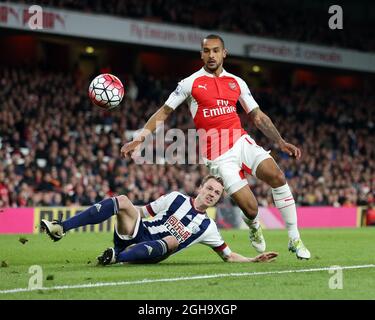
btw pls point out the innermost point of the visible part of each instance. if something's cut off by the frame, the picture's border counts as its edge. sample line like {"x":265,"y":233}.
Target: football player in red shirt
{"x":228,"y":150}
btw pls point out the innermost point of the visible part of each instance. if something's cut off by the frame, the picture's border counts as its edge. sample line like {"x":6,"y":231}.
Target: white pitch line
{"x":197,"y":277}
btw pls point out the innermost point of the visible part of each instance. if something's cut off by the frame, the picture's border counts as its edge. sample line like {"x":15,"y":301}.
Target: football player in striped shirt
{"x":175,"y":222}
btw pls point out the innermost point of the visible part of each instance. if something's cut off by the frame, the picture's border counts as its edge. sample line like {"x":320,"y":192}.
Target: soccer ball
{"x":106,"y":91}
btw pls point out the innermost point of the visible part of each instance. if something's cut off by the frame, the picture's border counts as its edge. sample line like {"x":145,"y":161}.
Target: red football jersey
{"x":212,"y":102}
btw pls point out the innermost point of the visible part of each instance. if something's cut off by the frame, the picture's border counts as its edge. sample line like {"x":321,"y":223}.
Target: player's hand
{"x":291,"y":150}
{"x":266,"y":257}
{"x":128,"y":148}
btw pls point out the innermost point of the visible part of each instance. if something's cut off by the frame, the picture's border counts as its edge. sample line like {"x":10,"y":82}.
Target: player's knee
{"x":277,"y":179}
{"x":123,"y":202}
{"x":172,"y":243}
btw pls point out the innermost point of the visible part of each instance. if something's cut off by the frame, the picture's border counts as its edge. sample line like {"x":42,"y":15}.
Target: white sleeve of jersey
{"x":246,"y":99}
{"x":160,"y":204}
{"x":214,"y":240}
{"x":181,"y":93}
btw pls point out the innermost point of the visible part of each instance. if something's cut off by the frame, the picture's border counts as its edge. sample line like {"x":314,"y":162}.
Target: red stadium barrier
{"x":16,"y":220}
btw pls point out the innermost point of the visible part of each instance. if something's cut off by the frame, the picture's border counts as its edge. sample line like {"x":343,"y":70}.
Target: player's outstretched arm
{"x":159,"y":116}
{"x":264,"y":257}
{"x":265,"y":124}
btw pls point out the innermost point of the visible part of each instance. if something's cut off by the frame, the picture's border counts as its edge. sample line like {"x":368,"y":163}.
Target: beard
{"x":213,"y":67}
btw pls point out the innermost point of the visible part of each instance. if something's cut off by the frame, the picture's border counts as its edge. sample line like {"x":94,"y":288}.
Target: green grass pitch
{"x":72,"y":262}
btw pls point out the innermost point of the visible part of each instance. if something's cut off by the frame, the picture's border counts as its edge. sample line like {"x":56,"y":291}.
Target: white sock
{"x":284,"y":201}
{"x":252,"y":223}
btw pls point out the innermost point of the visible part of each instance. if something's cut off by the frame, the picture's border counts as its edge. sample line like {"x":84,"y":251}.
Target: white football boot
{"x":297,"y":246}
{"x":257,"y":239}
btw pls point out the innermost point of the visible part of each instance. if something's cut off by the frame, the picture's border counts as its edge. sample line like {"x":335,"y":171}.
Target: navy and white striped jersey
{"x":174,"y":214}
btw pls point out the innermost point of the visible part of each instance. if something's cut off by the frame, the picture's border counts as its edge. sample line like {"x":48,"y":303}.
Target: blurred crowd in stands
{"x":56,"y":148}
{"x":280,"y":19}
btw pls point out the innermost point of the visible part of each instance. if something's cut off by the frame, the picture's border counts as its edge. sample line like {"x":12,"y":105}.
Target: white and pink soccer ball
{"x":106,"y":91}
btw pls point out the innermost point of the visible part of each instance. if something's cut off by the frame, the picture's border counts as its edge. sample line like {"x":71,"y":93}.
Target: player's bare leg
{"x":246,"y":201}
{"x":127,"y":216}
{"x":269,"y":172}
{"x":172,"y":243}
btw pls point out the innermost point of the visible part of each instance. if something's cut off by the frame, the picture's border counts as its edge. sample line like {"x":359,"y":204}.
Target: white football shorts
{"x":243,"y":158}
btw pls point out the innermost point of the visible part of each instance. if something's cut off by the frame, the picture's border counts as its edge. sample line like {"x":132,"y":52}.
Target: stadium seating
{"x":57,"y":149}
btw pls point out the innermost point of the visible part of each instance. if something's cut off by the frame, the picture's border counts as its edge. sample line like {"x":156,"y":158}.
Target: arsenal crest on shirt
{"x":232,"y":85}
